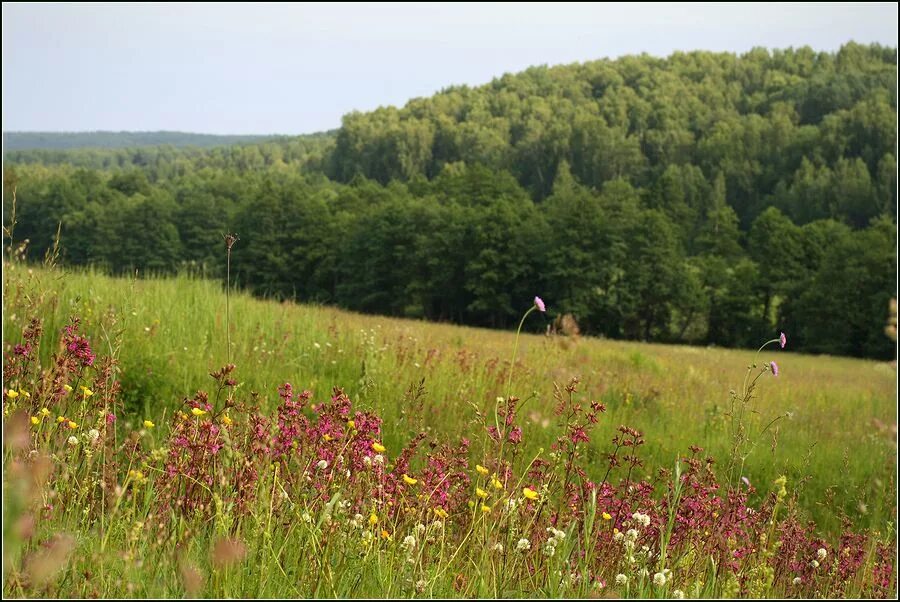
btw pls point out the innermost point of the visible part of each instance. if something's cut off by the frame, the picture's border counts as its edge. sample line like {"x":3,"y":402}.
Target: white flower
{"x":619,"y":536}
{"x":322,"y":465}
{"x":523,"y":545}
{"x":73,"y":440}
{"x":821,"y":554}
{"x":305,"y":517}
{"x":93,"y":435}
{"x":621,"y":579}
{"x":797,"y":580}
{"x":378,"y":459}
{"x":420,"y":585}
{"x":409,"y":542}
{"x":631,"y":534}
{"x":550,"y":548}
{"x":498,"y":547}
{"x":678,"y":594}
{"x":420,"y":529}
{"x":814,"y":564}
{"x":367,"y":460}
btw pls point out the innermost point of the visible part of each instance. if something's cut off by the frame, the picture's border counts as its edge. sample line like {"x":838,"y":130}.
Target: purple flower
{"x":783,"y":340}
{"x":539,"y":303}
{"x":774,"y":368}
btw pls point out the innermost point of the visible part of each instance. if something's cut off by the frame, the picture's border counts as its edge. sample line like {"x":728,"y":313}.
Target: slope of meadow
{"x":833,"y":438}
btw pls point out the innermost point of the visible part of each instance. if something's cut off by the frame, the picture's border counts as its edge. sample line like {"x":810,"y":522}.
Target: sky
{"x":293,"y":69}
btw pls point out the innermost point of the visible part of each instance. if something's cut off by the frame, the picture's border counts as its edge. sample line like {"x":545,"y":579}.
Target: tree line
{"x":702,"y":198}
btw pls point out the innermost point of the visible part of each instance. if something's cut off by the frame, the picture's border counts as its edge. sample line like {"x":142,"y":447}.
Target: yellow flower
{"x":60,"y":419}
{"x":480,"y":492}
{"x":379,"y":448}
{"x":148,"y":424}
{"x":12,"y":394}
{"x":197,"y":412}
{"x":385,"y":534}
{"x":45,"y":412}
{"x":485,"y":508}
{"x":68,"y":388}
{"x":373,"y":518}
{"x":35,"y":420}
{"x":72,"y":425}
{"x":136,"y":476}
{"x":409,"y":480}
{"x":24,"y":393}
{"x":327,"y":437}
{"x":530,"y":493}
{"x":606,"y":516}
{"x":481,"y":470}
{"x":441,"y":513}
{"x":615,"y":531}
{"x":86,"y":392}
{"x":496,"y":482}
{"x":226,"y":420}
{"x":351,"y":424}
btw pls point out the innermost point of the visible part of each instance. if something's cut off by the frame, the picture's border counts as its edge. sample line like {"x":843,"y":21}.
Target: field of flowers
{"x":157,"y":444}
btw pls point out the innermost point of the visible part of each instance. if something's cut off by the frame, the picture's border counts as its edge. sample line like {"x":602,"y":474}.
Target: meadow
{"x":421,"y":459}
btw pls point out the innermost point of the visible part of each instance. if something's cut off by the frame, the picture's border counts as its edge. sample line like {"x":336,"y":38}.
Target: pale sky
{"x":262,"y":69}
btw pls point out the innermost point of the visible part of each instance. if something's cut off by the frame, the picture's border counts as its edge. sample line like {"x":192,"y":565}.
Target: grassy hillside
{"x":168,"y":334}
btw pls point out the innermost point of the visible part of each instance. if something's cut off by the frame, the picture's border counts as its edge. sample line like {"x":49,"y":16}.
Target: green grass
{"x":78,"y":521}
{"x":171,"y":334}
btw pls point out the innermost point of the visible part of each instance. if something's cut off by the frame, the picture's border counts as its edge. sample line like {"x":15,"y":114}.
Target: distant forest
{"x":14,"y":141}
{"x":706,"y":198}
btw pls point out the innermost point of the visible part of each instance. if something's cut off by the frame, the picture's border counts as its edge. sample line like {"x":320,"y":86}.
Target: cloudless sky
{"x":261,"y":69}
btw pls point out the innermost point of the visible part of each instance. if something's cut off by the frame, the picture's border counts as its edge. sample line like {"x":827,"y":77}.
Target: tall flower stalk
{"x":537,"y":305}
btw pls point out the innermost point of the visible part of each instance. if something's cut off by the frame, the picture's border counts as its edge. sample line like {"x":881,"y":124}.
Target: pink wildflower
{"x":539,"y":303}
{"x":783,"y":340}
{"x":774,"y":368}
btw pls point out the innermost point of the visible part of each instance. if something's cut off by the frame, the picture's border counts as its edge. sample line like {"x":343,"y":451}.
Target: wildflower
{"x":385,"y":534}
{"x":148,"y":424}
{"x":24,"y":393}
{"x":305,"y":517}
{"x":73,"y":441}
{"x":539,"y":303}
{"x":351,"y":424}
{"x":378,"y":459}
{"x":631,"y":534}
{"x":550,"y":548}
{"x":481,"y":470}
{"x":797,"y":580}
{"x":821,"y":554}
{"x":409,"y":542}
{"x":621,"y":579}
{"x":783,"y":340}
{"x":12,"y":394}
{"x":420,"y":585}
{"x":659,"y":579}
{"x":523,"y":545}
{"x":746,"y":481}
{"x":322,"y":465}
{"x":774,"y":367}
{"x":485,"y":508}
{"x":68,"y":388}
{"x":409,"y":480}
{"x":197,"y":412}
{"x":606,"y":516}
{"x":373,"y":518}
{"x":93,"y":435}
{"x":72,"y":425}
{"x":379,"y":448}
{"x":226,"y":420}
{"x":35,"y":420}
{"x":327,"y":437}
{"x":441,"y":512}
{"x":496,"y":482}
{"x":60,"y":419}
{"x":677,"y":593}
{"x":110,"y":418}
{"x":814,"y":564}
{"x":45,"y":412}
{"x":498,"y":547}
{"x":480,"y":492}
{"x":530,"y":493}
{"x":86,"y":392}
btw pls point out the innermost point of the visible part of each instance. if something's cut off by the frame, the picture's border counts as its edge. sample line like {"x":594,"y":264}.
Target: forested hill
{"x":704,"y":197}
{"x":14,"y":141}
